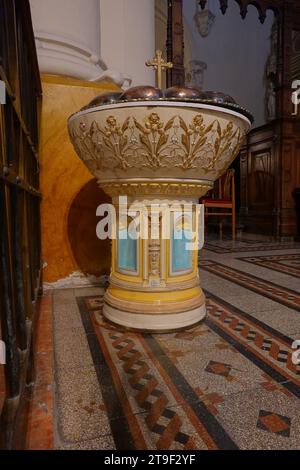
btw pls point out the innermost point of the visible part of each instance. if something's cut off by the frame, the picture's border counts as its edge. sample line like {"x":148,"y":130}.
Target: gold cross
{"x":159,"y":65}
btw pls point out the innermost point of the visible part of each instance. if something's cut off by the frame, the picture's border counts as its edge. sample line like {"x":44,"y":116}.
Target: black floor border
{"x":207,"y":419}
{"x":119,"y":425}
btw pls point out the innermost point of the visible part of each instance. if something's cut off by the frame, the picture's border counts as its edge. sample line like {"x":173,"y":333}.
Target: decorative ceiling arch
{"x":261,"y":5}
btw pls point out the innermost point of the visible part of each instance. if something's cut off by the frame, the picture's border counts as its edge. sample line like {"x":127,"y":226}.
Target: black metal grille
{"x":20,"y":248}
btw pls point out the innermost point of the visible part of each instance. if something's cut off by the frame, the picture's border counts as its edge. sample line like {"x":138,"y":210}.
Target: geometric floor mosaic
{"x":228,"y":383}
{"x":170,"y":398}
{"x":228,"y":246}
{"x":286,"y":264}
{"x":278,"y":293}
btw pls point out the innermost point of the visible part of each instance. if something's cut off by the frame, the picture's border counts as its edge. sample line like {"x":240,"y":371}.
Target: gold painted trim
{"x":136,"y":188}
{"x":146,"y":287}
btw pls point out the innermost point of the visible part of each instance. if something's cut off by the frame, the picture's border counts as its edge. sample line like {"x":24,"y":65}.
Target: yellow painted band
{"x":177,"y":296}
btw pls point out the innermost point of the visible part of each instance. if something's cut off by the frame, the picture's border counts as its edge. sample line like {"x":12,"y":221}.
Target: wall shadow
{"x":93,"y":256}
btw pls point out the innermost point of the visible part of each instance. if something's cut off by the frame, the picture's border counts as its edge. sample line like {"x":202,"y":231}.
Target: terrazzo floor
{"x":229,"y":383}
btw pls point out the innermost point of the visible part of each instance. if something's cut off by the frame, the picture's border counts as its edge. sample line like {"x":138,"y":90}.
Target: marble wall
{"x":84,"y":47}
{"x":70,"y":248}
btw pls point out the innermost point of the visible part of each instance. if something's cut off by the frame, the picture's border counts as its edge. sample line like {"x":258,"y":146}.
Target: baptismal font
{"x":156,"y":153}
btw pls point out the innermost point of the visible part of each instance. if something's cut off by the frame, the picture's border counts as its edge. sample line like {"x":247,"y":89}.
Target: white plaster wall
{"x":128,"y":37}
{"x":235,"y":51}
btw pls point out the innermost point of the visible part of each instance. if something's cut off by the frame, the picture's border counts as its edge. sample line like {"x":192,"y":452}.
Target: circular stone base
{"x":154,"y":322}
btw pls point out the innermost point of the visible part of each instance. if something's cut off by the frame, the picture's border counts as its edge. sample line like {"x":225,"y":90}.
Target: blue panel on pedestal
{"x":182,"y":259}
{"x":127,"y":252}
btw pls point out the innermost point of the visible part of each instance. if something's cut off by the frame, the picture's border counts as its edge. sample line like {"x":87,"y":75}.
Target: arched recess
{"x":93,"y":256}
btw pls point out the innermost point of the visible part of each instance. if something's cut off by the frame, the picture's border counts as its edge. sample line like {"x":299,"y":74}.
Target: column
{"x":128,"y":37}
{"x":67,"y":37}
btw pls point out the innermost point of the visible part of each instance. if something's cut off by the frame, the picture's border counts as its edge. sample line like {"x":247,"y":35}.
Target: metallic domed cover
{"x":145,"y":92}
{"x":104,"y":98}
{"x":218,"y":97}
{"x":182,"y":92}
{"x":175,"y":93}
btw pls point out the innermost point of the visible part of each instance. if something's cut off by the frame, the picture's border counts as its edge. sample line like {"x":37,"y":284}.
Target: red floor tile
{"x":40,"y":422}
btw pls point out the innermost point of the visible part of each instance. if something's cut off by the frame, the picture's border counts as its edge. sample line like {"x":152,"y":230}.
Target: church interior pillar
{"x":68,"y":37}
{"x":132,"y":39}
{"x":72,"y":73}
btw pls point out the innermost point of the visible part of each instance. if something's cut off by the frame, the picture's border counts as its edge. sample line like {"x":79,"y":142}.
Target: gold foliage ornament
{"x":157,"y":144}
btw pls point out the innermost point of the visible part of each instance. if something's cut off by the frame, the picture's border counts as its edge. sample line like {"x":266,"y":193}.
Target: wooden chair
{"x":224,"y":203}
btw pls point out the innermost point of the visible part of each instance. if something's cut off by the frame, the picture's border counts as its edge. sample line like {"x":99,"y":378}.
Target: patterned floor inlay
{"x":229,"y":383}
{"x":157,"y":415}
{"x":246,"y":246}
{"x":286,"y":264}
{"x":274,"y":423}
{"x":157,"y":399}
{"x":287,"y":297}
{"x":263,"y":345}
